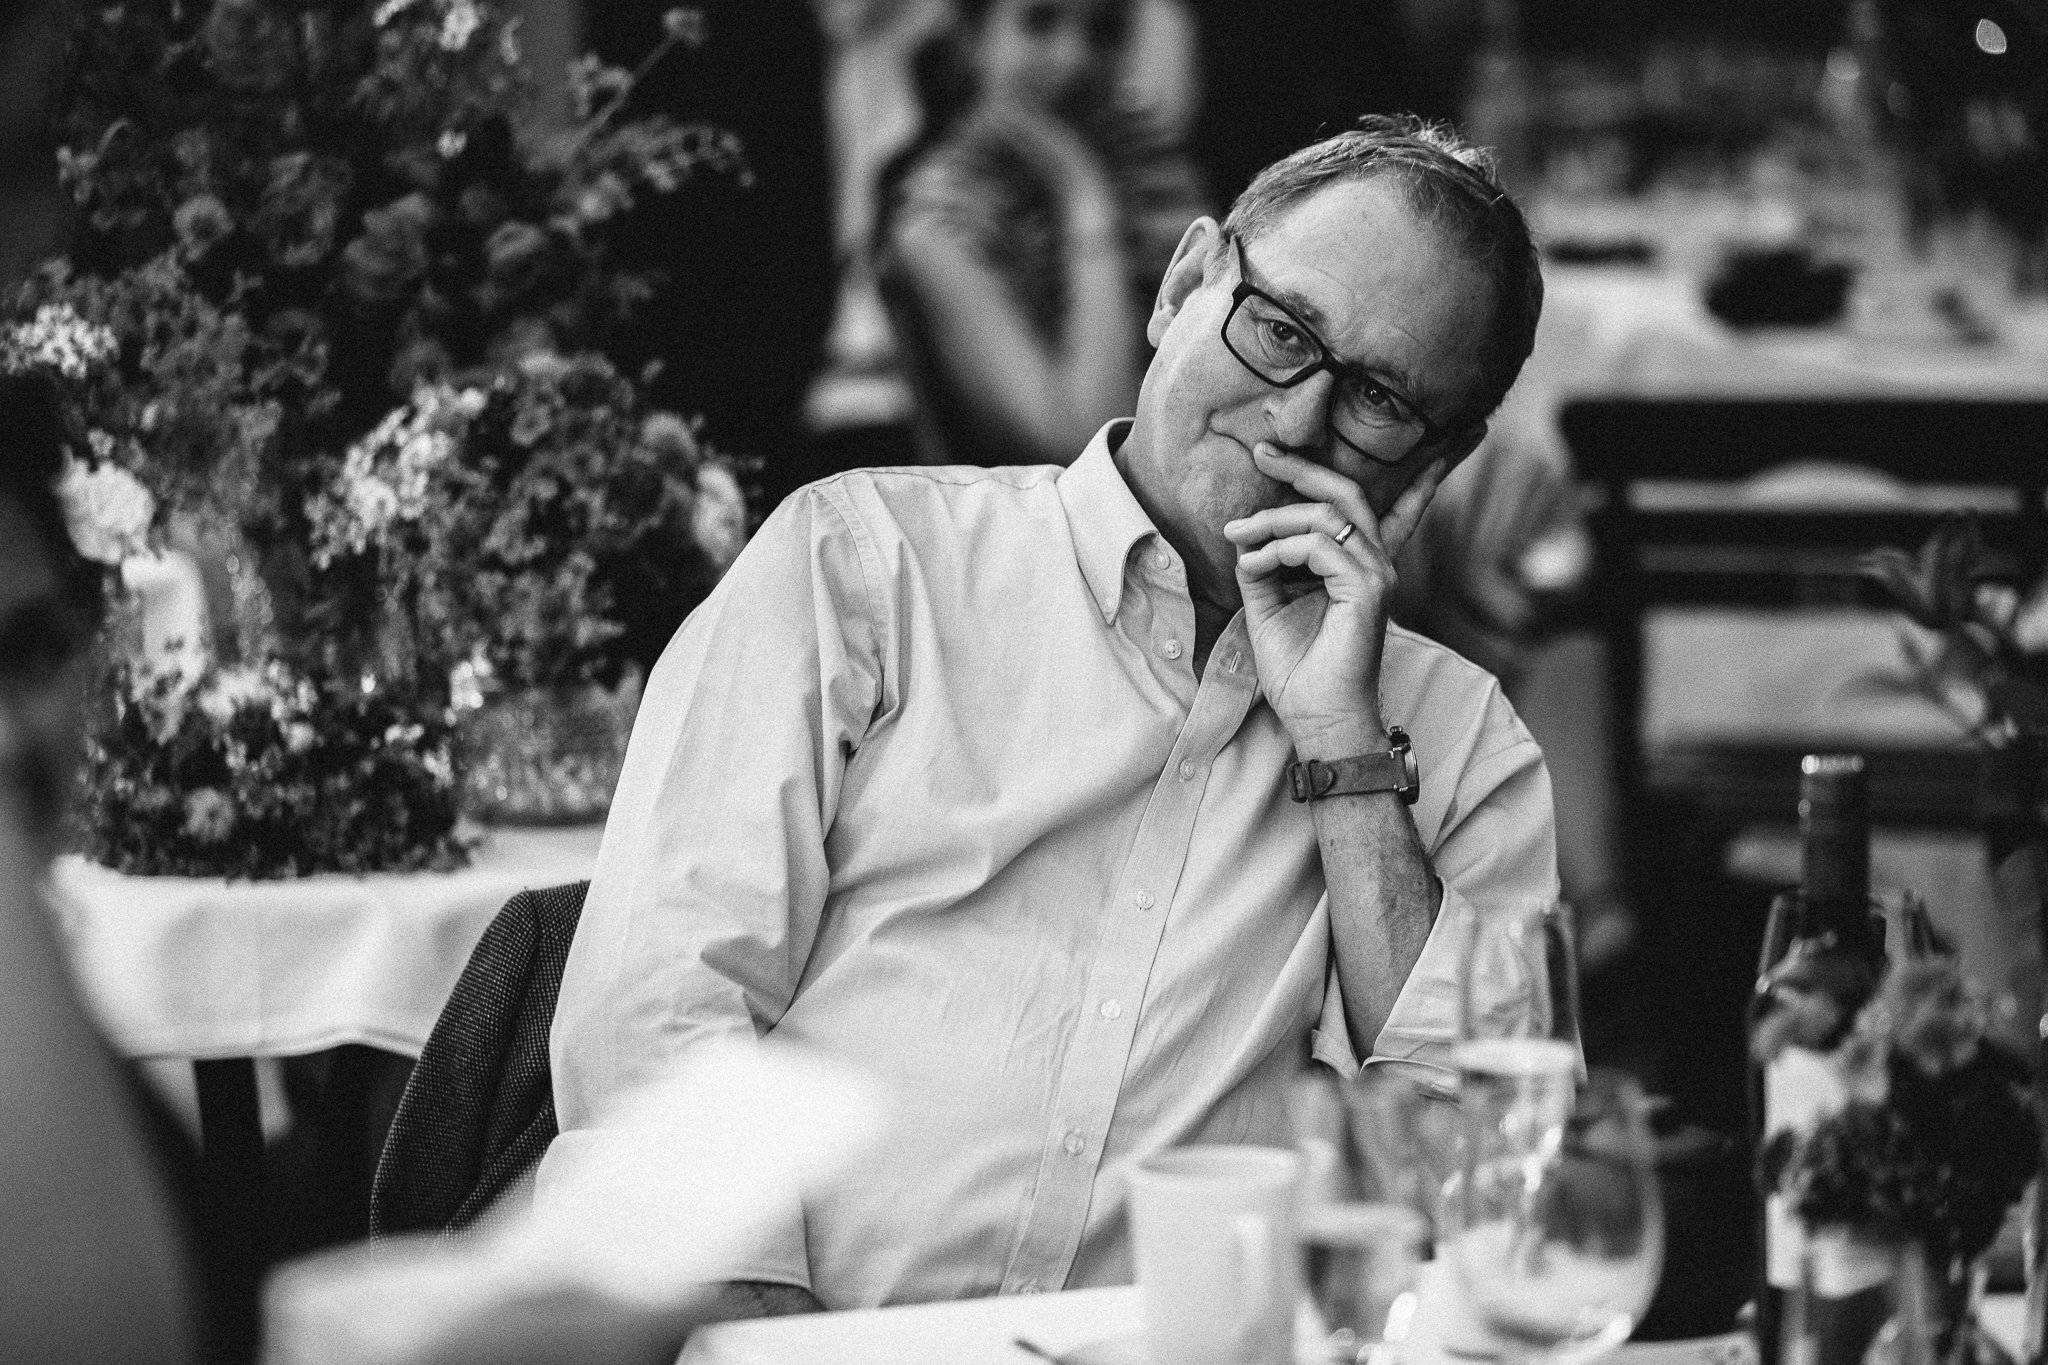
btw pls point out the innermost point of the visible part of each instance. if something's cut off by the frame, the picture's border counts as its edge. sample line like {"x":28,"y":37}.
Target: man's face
{"x":1383,"y":291}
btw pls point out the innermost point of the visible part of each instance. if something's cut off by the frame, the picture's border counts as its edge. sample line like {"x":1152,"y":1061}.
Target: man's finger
{"x":1292,"y":519}
{"x":1406,"y":514}
{"x":1318,"y":483}
{"x":1314,"y":550}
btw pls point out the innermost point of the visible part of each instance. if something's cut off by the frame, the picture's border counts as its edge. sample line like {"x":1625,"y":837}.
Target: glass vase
{"x":546,"y":755}
{"x":1871,"y":1300}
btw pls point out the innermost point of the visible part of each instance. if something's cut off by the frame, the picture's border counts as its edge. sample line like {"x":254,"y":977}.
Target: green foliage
{"x":264,"y":773}
{"x":506,"y":514}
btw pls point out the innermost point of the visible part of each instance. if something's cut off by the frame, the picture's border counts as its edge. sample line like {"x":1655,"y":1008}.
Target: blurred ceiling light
{"x":1990,"y":37}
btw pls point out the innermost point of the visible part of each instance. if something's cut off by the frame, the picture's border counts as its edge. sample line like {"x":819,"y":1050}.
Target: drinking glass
{"x":1518,"y":1005}
{"x":1555,"y":1225}
{"x":1404,"y":1136}
{"x":1361,"y":1262}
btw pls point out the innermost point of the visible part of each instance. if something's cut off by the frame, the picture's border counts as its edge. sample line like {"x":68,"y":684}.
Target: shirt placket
{"x":1134,"y":923}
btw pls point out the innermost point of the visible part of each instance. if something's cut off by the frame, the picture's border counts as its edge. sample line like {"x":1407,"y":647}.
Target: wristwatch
{"x":1391,"y":770}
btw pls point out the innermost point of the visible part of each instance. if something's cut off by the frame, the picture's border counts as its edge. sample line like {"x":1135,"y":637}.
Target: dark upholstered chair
{"x":479,"y":1109}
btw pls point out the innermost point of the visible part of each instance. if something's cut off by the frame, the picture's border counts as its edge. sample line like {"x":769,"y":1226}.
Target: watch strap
{"x":1389,"y":770}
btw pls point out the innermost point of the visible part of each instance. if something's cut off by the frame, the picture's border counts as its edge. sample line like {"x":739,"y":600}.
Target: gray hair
{"x":1450,"y":184}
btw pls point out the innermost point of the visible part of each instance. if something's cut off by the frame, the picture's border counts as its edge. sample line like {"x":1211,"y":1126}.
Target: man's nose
{"x":1300,"y":415}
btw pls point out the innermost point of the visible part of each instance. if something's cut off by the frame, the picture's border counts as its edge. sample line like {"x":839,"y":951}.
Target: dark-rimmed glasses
{"x":1269,"y":340}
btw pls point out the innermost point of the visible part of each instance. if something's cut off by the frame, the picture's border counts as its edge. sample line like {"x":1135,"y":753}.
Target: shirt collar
{"x":1103,"y":516}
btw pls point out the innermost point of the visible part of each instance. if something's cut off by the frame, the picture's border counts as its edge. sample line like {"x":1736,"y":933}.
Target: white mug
{"x":1213,"y":1233}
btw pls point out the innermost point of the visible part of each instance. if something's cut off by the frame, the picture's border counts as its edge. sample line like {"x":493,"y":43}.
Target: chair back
{"x":479,"y":1111}
{"x":1766,"y":505}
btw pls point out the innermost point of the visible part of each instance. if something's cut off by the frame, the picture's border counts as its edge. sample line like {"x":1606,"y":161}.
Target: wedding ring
{"x":1345,"y":534}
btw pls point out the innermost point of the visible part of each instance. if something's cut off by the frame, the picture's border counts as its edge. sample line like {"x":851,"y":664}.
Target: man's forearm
{"x":760,"y":1299}
{"x":1383,"y":900}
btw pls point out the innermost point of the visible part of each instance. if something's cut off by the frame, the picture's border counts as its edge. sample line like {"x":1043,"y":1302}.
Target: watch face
{"x":1411,"y":771}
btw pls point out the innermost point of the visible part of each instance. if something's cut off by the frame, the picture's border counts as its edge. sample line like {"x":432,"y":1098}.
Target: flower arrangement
{"x":294,"y":217}
{"x":512,"y":515}
{"x":263,"y":772}
{"x":1988,"y":661}
{"x":1937,"y":1138}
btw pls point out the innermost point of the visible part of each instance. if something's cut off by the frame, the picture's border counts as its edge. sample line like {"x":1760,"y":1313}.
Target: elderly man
{"x":1076,"y":805}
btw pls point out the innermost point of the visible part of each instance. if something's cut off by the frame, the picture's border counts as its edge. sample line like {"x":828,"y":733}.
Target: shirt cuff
{"x":1422,"y":1029}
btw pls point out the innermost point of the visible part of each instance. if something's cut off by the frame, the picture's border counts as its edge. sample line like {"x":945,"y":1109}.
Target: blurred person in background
{"x":1020,"y":239}
{"x":95,"y":1260}
{"x":95,"y":1263}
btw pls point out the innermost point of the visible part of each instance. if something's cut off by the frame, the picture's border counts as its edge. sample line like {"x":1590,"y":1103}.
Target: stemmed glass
{"x":1553,"y":1225}
{"x":1555,"y":1228}
{"x":1519,"y":987}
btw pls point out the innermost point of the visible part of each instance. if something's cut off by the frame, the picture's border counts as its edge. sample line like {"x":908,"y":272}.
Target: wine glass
{"x":1555,"y":1225}
{"x":1361,"y":1263}
{"x":1404,"y":1131}
{"x":1518,"y":982}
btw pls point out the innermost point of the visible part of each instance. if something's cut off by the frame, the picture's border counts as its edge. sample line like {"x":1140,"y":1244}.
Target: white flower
{"x":373,"y":504}
{"x":468,"y":681}
{"x":388,"y":476}
{"x":102,"y":444}
{"x":299,"y":736}
{"x":229,"y":690}
{"x":459,"y":25}
{"x":719,"y":519}
{"x":438,"y":767}
{"x":57,"y":338}
{"x":451,"y":144}
{"x":106,"y":510}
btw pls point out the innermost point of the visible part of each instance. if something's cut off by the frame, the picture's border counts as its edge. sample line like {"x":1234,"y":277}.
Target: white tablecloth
{"x":1089,"y":1327}
{"x":190,"y":967}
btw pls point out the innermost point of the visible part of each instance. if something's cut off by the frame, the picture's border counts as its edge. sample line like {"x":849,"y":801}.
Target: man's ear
{"x":1184,"y":275}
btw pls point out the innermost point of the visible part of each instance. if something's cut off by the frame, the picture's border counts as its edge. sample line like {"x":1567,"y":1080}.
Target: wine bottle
{"x":1823,"y":955}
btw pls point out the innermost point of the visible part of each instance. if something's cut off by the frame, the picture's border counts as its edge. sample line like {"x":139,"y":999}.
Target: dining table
{"x":207,"y":983}
{"x":1104,"y":1326}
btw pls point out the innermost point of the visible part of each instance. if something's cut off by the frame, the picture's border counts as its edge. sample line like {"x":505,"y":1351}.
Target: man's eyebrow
{"x":1303,"y":307}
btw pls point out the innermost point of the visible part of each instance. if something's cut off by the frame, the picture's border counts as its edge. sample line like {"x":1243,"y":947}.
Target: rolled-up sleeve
{"x":712,"y":874}
{"x":1495,"y":852}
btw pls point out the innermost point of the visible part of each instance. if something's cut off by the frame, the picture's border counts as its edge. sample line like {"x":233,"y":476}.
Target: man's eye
{"x":1282,"y":335}
{"x":1379,"y":398}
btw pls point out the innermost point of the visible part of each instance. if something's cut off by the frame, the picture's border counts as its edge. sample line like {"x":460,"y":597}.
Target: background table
{"x":191,"y":967}
{"x":212,"y":974}
{"x":1096,"y":1326}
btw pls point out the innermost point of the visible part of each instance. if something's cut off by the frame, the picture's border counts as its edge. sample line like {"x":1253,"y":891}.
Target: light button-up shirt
{"x":929,"y":786}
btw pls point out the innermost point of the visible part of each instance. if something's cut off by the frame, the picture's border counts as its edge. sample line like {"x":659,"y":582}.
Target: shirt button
{"x":1143,"y":900}
{"x":1028,"y":1287}
{"x":1170,"y":648}
{"x":1073,"y":1144}
{"x":1112,"y":1010}
{"x":1162,"y":560}
{"x":1187,"y":769}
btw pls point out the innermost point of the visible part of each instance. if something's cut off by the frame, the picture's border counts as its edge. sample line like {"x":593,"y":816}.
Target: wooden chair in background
{"x":1680,"y":524}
